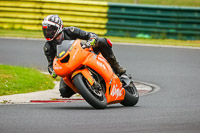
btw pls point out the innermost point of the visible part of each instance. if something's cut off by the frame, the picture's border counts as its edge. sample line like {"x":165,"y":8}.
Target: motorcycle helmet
{"x":52,"y":26}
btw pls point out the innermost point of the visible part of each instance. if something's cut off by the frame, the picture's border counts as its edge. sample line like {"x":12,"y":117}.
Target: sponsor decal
{"x":94,"y":57}
{"x":70,"y":48}
{"x":74,"y":74}
{"x":61,"y":53}
{"x":57,"y":68}
{"x":110,"y":81}
{"x":101,"y":59}
{"x":90,"y":80}
{"x":75,"y":54}
{"x":101,"y":64}
{"x":116,"y":91}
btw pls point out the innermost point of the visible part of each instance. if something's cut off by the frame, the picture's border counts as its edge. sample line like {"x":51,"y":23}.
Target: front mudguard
{"x":86,"y":73}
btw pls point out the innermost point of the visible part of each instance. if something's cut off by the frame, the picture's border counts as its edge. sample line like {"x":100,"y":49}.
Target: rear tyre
{"x":96,"y":98}
{"x":131,"y":95}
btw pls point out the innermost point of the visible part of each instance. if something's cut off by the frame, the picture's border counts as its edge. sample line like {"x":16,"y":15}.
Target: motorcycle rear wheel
{"x":94,"y":98}
{"x":131,"y":95}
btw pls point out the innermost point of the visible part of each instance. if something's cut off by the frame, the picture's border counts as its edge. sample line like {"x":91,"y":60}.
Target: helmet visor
{"x":49,"y":31}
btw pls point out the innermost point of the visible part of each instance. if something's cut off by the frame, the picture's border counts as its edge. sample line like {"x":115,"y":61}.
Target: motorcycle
{"x":90,"y":75}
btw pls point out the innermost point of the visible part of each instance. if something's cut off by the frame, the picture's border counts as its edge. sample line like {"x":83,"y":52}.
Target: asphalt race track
{"x":173,"y":109}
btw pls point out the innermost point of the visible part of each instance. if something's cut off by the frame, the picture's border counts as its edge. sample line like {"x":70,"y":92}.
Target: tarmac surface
{"x":173,"y":109}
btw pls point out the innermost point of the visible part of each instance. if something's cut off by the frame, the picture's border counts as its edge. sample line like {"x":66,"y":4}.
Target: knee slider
{"x":109,"y":42}
{"x":104,"y":42}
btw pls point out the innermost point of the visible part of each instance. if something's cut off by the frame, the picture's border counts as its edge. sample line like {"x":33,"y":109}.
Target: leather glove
{"x":89,"y":43}
{"x":92,"y":41}
{"x":53,"y":74}
{"x":51,"y":71}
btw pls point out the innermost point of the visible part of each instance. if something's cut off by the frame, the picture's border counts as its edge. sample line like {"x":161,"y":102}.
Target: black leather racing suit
{"x":73,"y":33}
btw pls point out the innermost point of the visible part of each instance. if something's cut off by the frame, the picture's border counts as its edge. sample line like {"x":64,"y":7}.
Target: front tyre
{"x":131,"y":95}
{"x":96,"y":98}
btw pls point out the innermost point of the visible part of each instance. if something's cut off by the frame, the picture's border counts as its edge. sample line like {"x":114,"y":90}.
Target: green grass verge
{"x":194,"y":3}
{"x":15,"y":80}
{"x":20,"y":33}
{"x":170,"y":42}
{"x":39,"y":34}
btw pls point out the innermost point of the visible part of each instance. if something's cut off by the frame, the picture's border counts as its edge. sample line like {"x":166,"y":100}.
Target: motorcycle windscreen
{"x":63,"y":48}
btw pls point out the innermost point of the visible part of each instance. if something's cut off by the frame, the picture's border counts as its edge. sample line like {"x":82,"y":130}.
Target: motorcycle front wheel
{"x":95,"y":97}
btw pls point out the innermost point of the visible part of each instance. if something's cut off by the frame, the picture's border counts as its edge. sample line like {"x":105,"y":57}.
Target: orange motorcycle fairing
{"x":67,"y":61}
{"x":115,"y":92}
{"x":72,"y":59}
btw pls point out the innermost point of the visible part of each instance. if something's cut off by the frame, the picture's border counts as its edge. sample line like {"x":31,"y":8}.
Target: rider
{"x":55,"y":33}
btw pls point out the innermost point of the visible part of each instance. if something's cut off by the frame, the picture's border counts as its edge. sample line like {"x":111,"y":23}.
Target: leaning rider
{"x":55,"y":33}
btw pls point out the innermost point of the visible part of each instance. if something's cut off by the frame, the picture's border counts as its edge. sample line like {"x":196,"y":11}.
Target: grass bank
{"x":39,"y":34}
{"x":16,"y":80}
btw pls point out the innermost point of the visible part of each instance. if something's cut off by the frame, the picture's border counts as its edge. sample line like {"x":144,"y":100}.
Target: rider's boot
{"x":115,"y":65}
{"x":105,"y":47}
